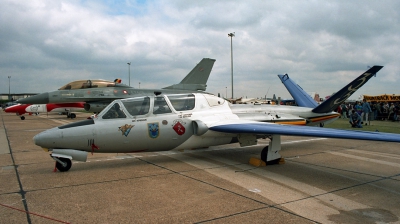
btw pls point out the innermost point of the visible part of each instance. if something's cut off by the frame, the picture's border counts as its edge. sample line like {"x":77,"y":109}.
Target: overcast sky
{"x":322,"y":45}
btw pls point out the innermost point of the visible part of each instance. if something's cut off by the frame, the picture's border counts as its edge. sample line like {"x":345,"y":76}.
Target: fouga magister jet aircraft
{"x":161,"y":122}
{"x":97,"y":94}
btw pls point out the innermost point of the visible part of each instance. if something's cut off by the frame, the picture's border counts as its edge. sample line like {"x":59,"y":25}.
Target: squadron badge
{"x":153,"y":130}
{"x":179,"y":128}
{"x":125,"y":129}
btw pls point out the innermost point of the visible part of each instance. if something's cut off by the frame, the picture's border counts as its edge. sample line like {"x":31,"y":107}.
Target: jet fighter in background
{"x":97,"y":94}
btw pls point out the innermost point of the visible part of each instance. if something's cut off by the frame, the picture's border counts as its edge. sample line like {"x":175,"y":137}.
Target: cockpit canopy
{"x":163,"y":104}
{"x":94,"y":83}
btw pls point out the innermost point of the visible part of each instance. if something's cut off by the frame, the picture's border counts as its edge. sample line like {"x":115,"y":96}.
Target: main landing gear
{"x":270,"y":154}
{"x":22,"y":117}
{"x":71,"y":115}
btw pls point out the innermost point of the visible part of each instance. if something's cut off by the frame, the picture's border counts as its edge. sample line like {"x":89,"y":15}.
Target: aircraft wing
{"x":249,"y":127}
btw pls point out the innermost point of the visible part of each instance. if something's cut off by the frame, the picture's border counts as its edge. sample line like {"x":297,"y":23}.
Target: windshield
{"x":160,"y":106}
{"x":137,"y":106}
{"x":114,"y":112}
{"x":182,"y":102}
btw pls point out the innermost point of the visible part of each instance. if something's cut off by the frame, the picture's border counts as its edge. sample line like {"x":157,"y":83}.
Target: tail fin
{"x":338,"y":98}
{"x":196,"y":80}
{"x":304,"y":100}
{"x":299,"y":95}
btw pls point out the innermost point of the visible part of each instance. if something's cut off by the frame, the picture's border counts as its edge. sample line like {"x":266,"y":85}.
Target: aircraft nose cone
{"x":38,"y":139}
{"x":46,"y":139}
{"x":42,"y":98}
{"x":10,"y":109}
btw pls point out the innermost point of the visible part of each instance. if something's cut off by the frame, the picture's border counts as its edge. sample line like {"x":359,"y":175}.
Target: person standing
{"x":366,"y":109}
{"x":391,"y":110}
{"x":396,"y":112}
{"x":385,"y":110}
{"x":358,"y":108}
{"x":377,"y":110}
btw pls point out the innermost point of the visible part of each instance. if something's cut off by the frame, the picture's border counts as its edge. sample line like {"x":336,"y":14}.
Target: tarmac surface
{"x":323,"y":181}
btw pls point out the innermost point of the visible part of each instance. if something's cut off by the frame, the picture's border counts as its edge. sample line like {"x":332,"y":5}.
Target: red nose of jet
{"x":19,"y":109}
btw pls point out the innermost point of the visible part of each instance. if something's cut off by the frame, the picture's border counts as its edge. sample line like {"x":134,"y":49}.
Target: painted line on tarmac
{"x":380,"y":154}
{"x":266,"y":183}
{"x":305,"y":140}
{"x":365,"y":159}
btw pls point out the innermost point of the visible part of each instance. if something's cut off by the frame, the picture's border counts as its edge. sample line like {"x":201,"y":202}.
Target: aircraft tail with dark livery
{"x":304,"y":100}
{"x":196,"y":80}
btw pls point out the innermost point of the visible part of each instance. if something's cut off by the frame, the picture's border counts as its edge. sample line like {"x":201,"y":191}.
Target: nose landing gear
{"x":62,"y":164}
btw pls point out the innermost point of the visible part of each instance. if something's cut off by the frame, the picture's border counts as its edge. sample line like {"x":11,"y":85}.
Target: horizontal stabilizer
{"x":342,"y":95}
{"x":299,"y":95}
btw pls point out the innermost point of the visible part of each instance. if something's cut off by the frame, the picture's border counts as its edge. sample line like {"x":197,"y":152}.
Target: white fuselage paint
{"x":106,"y":136}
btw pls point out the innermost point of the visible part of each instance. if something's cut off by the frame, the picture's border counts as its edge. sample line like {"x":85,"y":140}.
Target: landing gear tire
{"x":264,"y":157}
{"x":73,"y":116}
{"x":22,"y":117}
{"x":61,"y":168}
{"x":264,"y":154}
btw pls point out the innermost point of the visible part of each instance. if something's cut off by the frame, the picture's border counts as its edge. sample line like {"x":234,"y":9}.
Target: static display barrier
{"x":382,"y":98}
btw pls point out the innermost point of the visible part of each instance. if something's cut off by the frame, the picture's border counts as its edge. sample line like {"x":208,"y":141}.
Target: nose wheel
{"x":63,"y":164}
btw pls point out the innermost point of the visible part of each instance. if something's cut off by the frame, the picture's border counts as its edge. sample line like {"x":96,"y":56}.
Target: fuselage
{"x":283,"y":114}
{"x":54,"y":107}
{"x":96,"y":99}
{"x":182,"y":123}
{"x":150,"y":131}
{"x":97,"y":94}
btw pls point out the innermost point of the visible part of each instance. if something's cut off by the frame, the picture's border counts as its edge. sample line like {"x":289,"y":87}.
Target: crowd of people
{"x":360,"y":112}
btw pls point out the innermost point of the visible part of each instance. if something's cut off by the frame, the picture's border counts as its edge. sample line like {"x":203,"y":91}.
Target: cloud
{"x":321,"y":45}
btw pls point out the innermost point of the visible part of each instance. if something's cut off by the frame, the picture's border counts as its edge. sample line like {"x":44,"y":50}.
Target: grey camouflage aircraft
{"x":97,"y":94}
